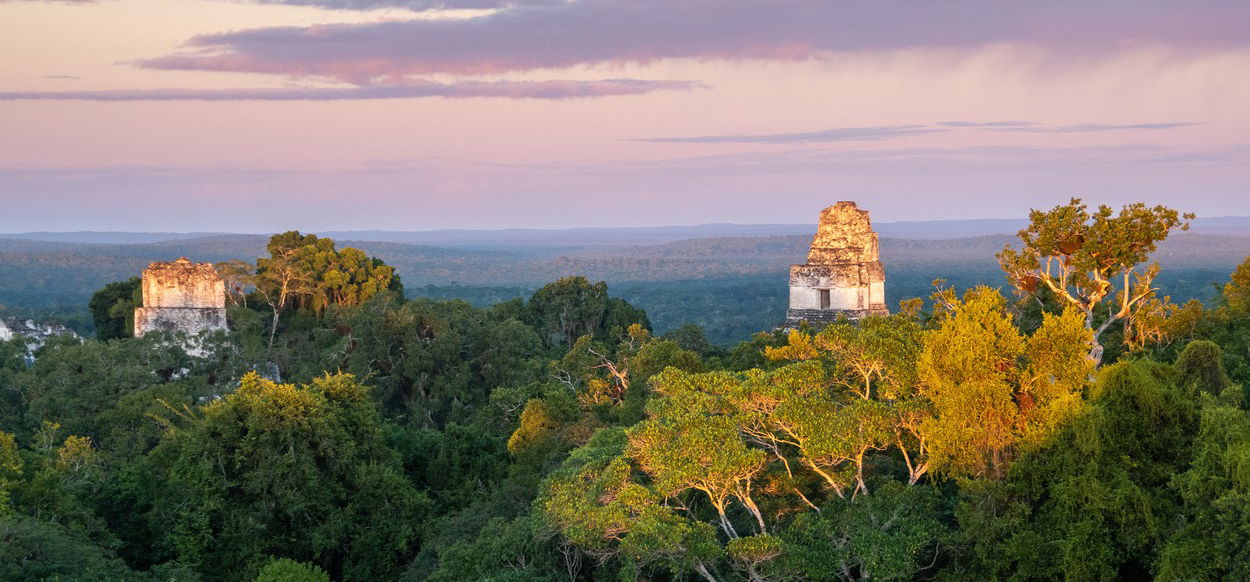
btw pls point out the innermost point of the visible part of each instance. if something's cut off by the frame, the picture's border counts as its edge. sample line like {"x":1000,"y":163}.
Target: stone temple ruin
{"x":843,"y":274}
{"x":181,"y":296}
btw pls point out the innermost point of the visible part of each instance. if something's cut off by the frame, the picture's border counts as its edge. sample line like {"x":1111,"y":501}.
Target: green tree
{"x":594,"y":501}
{"x":32,"y":549}
{"x":993,"y":389}
{"x":307,"y":271}
{"x":701,"y":452}
{"x":894,"y":535}
{"x":1096,"y":494}
{"x":288,"y":570}
{"x":299,"y":471}
{"x":10,"y":470}
{"x":1085,"y":258}
{"x":572,"y":307}
{"x":1212,"y":540}
{"x":874,"y":357}
{"x":113,"y":308}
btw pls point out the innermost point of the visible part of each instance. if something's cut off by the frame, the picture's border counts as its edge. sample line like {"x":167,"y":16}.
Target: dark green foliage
{"x":1213,"y":539}
{"x":1097,"y":497}
{"x":95,"y":388}
{"x":572,"y":307}
{"x":113,"y":308}
{"x":38,"y":550}
{"x":1201,"y":366}
{"x":503,"y":551}
{"x":896,"y":534}
{"x":435,"y":362}
{"x":690,"y":337}
{"x":299,"y":471}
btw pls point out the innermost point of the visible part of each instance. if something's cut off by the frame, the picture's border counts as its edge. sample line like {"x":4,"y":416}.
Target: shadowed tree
{"x":113,"y":308}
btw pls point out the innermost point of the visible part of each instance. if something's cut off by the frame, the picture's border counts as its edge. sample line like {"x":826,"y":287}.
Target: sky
{"x":268,"y":115}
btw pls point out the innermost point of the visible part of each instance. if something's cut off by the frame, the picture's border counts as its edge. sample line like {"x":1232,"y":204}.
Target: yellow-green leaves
{"x":10,"y":469}
{"x":872,"y":357}
{"x":992,"y":388}
{"x":595,"y":501}
{"x":312,"y":272}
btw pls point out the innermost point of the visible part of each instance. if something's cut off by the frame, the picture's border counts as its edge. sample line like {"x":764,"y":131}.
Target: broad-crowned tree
{"x":1088,"y":259}
{"x":873,"y":360}
{"x":287,"y":470}
{"x":596,"y":502}
{"x":873,"y":357}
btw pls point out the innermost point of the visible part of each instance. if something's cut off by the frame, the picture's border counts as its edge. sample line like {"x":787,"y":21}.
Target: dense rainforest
{"x":1074,"y":424}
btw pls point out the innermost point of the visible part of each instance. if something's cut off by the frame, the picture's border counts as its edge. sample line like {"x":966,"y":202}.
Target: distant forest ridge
{"x":731,"y":285}
{"x":619,"y":236}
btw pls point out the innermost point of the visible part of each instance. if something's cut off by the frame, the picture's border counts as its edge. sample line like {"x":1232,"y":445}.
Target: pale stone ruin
{"x":843,"y":274}
{"x":181,"y":296}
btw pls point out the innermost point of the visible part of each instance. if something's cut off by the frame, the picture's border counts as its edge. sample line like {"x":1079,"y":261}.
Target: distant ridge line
{"x":593,"y":236}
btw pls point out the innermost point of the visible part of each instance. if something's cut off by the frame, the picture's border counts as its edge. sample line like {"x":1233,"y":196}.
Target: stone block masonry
{"x":181,"y":296}
{"x":843,"y":274}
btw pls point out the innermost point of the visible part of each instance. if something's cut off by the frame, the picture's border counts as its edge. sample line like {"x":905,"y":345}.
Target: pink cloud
{"x":465,"y":89}
{"x":566,"y":34}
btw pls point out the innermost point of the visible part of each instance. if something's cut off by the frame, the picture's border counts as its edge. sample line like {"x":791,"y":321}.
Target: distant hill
{"x":523,"y":239}
{"x":733,"y":285}
{"x":100,"y":237}
{"x":571,"y":238}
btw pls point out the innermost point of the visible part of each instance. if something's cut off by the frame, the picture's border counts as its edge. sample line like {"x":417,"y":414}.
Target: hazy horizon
{"x":263,"y":115}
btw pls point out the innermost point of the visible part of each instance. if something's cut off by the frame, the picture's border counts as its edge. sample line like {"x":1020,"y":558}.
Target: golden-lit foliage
{"x":1080,"y":257}
{"x":993,"y":389}
{"x":537,"y":425}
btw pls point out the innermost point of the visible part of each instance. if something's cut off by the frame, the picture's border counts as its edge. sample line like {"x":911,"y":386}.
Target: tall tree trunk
{"x":859,"y":476}
{"x":914,"y":472}
{"x":755,"y":511}
{"x":273,"y":327}
{"x":833,"y":484}
{"x":724,"y":522}
{"x":703,"y":571}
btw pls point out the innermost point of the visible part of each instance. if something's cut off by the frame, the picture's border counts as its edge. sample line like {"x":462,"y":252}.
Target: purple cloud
{"x":464,"y":89}
{"x":827,"y":135}
{"x":1099,"y":127}
{"x":988,"y":124}
{"x":565,"y":34}
{"x":897,"y":131}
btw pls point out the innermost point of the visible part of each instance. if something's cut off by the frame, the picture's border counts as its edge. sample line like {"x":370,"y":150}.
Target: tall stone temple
{"x":181,"y":296}
{"x":843,"y":274}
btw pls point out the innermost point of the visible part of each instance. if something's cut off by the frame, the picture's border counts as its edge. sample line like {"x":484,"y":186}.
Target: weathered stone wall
{"x":188,"y":320}
{"x":843,"y":265}
{"x":844,"y":235}
{"x":182,"y":283}
{"x":181,"y":296}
